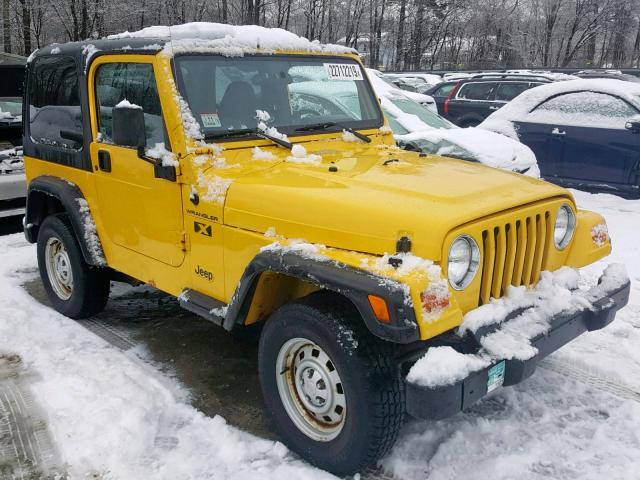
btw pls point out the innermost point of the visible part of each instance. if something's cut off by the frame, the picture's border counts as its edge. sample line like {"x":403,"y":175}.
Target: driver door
{"x":139,"y":212}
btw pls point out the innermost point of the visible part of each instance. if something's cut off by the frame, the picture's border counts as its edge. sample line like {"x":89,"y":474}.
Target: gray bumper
{"x":445,"y":401}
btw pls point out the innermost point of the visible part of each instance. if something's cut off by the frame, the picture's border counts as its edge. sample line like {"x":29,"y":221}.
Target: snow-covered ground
{"x":114,"y":415}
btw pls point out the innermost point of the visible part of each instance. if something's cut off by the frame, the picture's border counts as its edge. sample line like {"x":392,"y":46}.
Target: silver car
{"x":12,"y":183}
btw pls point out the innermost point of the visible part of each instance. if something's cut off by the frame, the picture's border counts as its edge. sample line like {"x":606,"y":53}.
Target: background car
{"x":430,"y":79}
{"x":413,"y":82}
{"x":12,"y":178}
{"x":474,"y":99}
{"x":418,"y":128}
{"x":585,"y":133}
{"x":441,"y":92}
{"x":422,"y":99}
{"x":613,"y":74}
{"x":12,"y":183}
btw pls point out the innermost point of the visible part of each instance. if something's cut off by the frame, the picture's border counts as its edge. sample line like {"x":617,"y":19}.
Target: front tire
{"x":75,"y":289}
{"x":333,"y":390}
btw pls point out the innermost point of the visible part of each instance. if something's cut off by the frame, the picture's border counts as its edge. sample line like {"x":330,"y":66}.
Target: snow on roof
{"x":517,"y":109}
{"x":230,"y":40}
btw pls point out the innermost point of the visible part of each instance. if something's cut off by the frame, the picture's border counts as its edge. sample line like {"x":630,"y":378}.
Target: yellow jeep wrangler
{"x":381,"y":281}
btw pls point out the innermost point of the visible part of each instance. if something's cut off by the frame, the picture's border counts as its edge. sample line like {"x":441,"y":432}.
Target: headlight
{"x":463,"y":262}
{"x":564,"y":227}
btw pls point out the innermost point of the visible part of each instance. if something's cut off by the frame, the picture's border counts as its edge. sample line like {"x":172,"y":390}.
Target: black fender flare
{"x":73,"y":204}
{"x":352,"y":283}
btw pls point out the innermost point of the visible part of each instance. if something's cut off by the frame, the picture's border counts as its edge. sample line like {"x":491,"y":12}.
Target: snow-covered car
{"x":430,"y":79}
{"x":268,"y":209}
{"x":408,"y":84}
{"x":12,"y":183}
{"x":584,"y":133}
{"x":421,"y":98}
{"x":417,"y":128}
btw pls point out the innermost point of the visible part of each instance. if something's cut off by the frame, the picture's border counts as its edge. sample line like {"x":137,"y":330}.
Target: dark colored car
{"x":470,"y":101}
{"x":440,"y":92}
{"x":585,"y":133}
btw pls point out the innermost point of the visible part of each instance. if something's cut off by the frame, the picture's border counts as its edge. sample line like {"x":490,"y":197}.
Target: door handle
{"x":493,"y":107}
{"x":557,"y":131}
{"x":104,"y":161}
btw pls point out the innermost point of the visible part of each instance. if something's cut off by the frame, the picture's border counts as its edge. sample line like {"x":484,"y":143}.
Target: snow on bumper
{"x":505,"y":340}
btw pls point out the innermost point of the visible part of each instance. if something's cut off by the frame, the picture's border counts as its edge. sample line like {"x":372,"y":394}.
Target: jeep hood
{"x":376,"y":196}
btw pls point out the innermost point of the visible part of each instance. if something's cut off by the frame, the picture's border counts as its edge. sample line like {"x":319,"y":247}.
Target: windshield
{"x":234,"y":93}
{"x":427,"y":116}
{"x":12,"y":105}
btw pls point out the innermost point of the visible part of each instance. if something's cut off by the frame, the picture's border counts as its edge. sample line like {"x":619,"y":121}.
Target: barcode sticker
{"x":343,"y":71}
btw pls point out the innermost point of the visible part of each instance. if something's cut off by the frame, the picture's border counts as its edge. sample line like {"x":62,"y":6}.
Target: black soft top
{"x":81,"y":50}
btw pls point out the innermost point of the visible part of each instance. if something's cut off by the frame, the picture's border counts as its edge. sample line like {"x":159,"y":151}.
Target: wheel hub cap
{"x":58,"y":267}
{"x":311,"y":389}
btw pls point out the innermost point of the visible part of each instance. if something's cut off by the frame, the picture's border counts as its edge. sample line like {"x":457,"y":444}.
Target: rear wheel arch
{"x":48,"y":196}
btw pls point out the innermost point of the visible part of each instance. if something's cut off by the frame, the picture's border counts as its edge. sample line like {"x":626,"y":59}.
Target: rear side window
{"x":585,"y":109}
{"x":509,"y":90}
{"x":54,"y":101}
{"x":136,"y":83}
{"x":444,"y":90}
{"x":476,"y":91}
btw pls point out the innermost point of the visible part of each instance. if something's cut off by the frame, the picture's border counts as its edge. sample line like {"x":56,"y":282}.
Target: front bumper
{"x":444,"y":401}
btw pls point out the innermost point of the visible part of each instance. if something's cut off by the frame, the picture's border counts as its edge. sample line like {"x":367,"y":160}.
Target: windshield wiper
{"x":243,"y":132}
{"x":327,"y":125}
{"x":246,"y":132}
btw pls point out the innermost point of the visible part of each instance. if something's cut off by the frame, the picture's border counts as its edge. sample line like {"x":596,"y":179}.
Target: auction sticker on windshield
{"x":343,"y":71}
{"x":210,"y":120}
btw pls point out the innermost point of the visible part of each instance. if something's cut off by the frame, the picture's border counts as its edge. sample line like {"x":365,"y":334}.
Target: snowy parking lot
{"x":146,"y":391}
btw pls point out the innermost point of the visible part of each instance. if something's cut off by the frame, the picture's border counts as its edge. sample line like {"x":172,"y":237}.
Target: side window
{"x":54,"y":101}
{"x":587,"y":109}
{"x":476,"y":91}
{"x":136,"y":83}
{"x":509,"y":90}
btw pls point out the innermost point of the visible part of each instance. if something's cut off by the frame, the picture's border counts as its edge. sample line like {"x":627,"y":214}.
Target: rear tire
{"x":351,"y":408}
{"x":75,"y":289}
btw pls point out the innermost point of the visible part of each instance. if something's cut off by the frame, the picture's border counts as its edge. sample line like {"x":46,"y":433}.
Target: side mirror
{"x":633,"y":125}
{"x":128,"y":126}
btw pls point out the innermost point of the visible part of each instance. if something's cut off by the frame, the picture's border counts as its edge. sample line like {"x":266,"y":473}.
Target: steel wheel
{"x":58,"y":267}
{"x":311,"y":389}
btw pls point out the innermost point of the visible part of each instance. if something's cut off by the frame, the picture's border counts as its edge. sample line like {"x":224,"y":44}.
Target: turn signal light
{"x":379,"y":307}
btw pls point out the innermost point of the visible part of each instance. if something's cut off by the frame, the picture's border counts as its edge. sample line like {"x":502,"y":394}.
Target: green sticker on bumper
{"x":495,"y":376}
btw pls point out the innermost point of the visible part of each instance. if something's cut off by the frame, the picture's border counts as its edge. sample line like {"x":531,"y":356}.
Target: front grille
{"x":514,"y":253}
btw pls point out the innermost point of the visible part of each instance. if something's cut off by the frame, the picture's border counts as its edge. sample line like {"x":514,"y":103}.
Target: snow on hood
{"x":483,"y":146}
{"x":501,"y":121}
{"x":467,"y":143}
{"x":402,"y":192}
{"x":230,"y":40}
